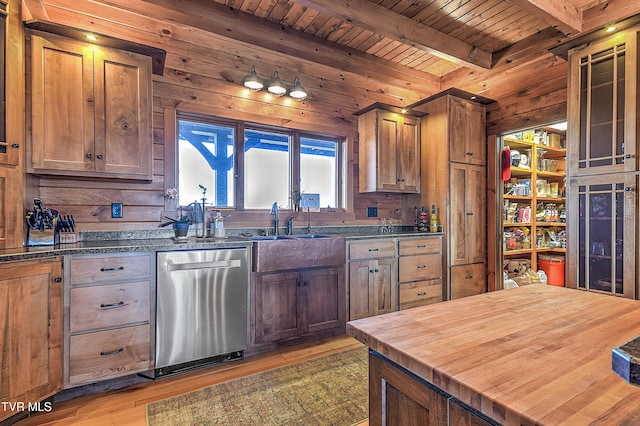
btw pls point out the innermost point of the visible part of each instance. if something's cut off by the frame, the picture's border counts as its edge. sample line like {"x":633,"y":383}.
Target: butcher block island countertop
{"x":530,"y":355}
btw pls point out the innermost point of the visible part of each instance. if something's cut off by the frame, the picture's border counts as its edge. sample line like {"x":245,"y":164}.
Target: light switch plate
{"x":116,"y":210}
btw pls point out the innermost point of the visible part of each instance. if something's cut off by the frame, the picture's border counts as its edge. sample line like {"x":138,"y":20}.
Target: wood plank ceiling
{"x":409,"y":49}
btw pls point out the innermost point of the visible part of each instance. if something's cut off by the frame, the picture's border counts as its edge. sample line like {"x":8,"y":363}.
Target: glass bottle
{"x":218,"y":231}
{"x":433,"y":222}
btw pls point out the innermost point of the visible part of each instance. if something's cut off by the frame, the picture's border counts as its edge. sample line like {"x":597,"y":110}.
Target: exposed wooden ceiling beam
{"x":557,"y":13}
{"x":405,"y":30}
{"x":609,"y":12}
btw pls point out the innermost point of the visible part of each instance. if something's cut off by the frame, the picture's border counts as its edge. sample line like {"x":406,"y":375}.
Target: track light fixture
{"x":275,"y":86}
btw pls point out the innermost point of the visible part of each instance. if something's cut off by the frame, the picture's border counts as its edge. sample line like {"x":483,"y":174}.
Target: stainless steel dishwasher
{"x":202,"y":313}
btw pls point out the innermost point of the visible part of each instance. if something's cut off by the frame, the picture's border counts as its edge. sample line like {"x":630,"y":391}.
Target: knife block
{"x":46,"y":237}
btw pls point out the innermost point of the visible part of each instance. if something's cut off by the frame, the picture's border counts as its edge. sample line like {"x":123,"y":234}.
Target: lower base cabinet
{"x":468,"y":280}
{"x":31,"y":333}
{"x":398,"y":398}
{"x":108,"y":328}
{"x":297,"y":303}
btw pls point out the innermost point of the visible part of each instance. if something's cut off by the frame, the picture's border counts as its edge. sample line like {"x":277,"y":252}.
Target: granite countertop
{"x":531,"y":355}
{"x":159,"y":240}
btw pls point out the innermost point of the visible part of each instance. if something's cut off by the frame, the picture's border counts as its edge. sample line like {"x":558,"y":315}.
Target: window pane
{"x":205,"y":157}
{"x":266,"y":169}
{"x":318,"y":169}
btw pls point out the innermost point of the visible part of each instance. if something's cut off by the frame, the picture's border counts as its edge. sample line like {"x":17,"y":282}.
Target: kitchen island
{"x":531,"y":355}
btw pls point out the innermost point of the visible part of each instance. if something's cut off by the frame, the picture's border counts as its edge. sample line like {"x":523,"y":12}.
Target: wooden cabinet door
{"x":467,"y":215}
{"x":31,"y":328}
{"x":276,"y":307}
{"x":11,"y":213}
{"x":385,"y":286}
{"x":602,"y":135}
{"x":467,"y":280}
{"x":403,"y":399}
{"x":323,"y":299}
{"x":62,"y":105}
{"x":398,"y":153}
{"x":360,"y":289}
{"x":408,"y":155}
{"x":123,"y":138}
{"x":467,"y":134}
{"x":389,"y":128}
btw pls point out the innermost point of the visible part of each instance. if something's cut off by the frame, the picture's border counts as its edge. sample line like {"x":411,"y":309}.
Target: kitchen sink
{"x":296,"y":252}
{"x":269,"y":237}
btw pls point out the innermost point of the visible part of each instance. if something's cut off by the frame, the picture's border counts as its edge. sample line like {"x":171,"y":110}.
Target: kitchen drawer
{"x":107,"y":354}
{"x":372,"y":249}
{"x":420,"y":293}
{"x":410,"y":246}
{"x":420,"y":267}
{"x":468,"y":280}
{"x":108,"y":305}
{"x":88,"y":270}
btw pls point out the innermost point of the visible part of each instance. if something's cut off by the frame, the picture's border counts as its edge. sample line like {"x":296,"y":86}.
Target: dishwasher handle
{"x":217,"y":264}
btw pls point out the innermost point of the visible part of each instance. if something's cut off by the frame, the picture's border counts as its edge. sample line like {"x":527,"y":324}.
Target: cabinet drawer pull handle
{"x":469,"y":153}
{"x":422,"y":294}
{"x":421,"y":245}
{"x":119,"y":268}
{"x":116,"y":352}
{"x":469,"y":213}
{"x":421,"y":266}
{"x":374,"y":249}
{"x":468,"y":277}
{"x":112,"y":305}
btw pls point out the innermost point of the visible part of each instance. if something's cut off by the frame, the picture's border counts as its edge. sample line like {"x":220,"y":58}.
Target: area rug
{"x":329,"y":390}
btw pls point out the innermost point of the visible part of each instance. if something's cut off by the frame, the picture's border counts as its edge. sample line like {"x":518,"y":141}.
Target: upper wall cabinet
{"x":466,"y":126}
{"x":602,"y":107}
{"x":90,"y":110}
{"x":389,"y":152}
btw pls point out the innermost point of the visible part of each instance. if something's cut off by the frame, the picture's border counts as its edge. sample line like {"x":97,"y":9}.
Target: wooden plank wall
{"x":202,"y":74}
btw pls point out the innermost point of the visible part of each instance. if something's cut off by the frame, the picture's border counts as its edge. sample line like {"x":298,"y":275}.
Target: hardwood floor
{"x":127,"y":406}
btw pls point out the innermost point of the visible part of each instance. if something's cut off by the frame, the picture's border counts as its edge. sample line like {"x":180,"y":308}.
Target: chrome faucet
{"x":274,"y":212}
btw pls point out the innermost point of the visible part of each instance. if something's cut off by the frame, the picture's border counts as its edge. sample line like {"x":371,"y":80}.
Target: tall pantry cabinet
{"x":12,"y":129}
{"x":602,"y":169}
{"x":453,"y":146}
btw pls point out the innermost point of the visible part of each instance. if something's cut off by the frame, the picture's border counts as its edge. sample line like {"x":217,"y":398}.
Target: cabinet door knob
{"x":629,"y":188}
{"x":57,"y":280}
{"x":15,"y":145}
{"x":99,"y":156}
{"x":628,"y":156}
{"x":88,"y":155}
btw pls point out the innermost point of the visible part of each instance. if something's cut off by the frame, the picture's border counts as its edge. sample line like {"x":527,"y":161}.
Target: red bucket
{"x":553,"y":266}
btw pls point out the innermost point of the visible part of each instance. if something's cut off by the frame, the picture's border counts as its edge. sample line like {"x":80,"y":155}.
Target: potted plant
{"x":180,"y":226}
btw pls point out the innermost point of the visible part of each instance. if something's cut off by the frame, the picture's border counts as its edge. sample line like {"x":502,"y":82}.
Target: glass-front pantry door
{"x":602,"y":233}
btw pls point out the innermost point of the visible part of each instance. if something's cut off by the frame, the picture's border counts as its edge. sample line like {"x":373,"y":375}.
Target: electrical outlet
{"x":116,"y":210}
{"x":372,"y":212}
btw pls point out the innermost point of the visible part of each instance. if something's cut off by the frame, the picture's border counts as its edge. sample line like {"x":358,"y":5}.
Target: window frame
{"x":239,"y":160}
